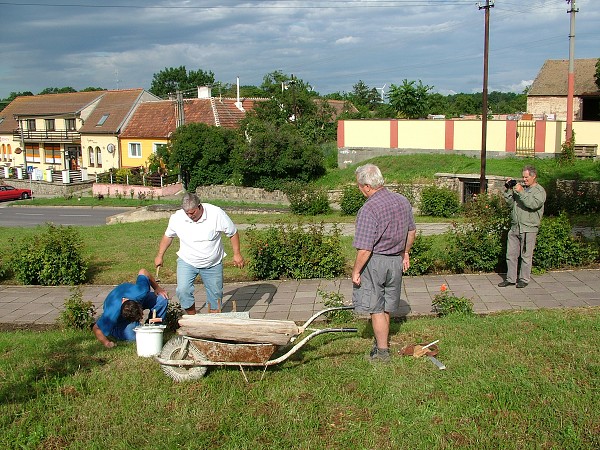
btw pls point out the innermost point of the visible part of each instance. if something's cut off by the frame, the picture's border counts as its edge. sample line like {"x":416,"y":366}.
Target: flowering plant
{"x":446,"y":303}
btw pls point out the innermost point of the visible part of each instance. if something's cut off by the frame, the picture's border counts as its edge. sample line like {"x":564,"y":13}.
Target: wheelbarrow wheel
{"x":178,"y":348}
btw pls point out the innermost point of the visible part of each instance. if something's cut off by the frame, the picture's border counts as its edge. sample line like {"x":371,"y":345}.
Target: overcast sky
{"x":331,"y":44}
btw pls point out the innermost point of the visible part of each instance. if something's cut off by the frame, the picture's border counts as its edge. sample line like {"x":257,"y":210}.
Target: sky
{"x":329,"y":44}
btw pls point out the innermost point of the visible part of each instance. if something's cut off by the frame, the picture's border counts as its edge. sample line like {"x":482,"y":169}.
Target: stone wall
{"x":237,"y":193}
{"x":135,"y":191}
{"x":48,"y":188}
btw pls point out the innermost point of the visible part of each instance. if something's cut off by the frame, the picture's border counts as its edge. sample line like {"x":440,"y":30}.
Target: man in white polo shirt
{"x":198,"y":227}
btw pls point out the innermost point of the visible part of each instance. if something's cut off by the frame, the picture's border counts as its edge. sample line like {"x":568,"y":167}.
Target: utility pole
{"x":484,"y":112}
{"x":571,"y":79}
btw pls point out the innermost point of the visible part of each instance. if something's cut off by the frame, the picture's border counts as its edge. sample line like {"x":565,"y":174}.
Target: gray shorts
{"x":380,"y":285}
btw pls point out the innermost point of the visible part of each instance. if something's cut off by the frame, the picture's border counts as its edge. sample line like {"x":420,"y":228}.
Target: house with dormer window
{"x":69,"y":131}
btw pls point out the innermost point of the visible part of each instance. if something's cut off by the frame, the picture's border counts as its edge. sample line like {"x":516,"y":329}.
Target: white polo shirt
{"x":200,"y":242}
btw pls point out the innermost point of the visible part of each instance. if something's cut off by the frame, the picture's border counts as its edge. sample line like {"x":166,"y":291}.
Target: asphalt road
{"x":18,"y":216}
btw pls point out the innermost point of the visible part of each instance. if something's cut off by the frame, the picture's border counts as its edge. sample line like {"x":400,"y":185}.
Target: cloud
{"x":347,"y":40}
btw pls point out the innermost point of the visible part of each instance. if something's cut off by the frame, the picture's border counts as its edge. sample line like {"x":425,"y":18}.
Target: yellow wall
{"x":467,"y":135}
{"x":367,"y":133}
{"x":147,"y":149}
{"x":421,"y":134}
{"x":109,"y":160}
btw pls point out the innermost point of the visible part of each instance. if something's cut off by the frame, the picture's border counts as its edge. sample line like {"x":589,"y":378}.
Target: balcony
{"x":64,"y":136}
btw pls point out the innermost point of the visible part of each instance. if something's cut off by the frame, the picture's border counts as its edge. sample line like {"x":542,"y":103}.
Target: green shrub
{"x":352,"y":200}
{"x":446,"y":303}
{"x":556,"y":247}
{"x":332,"y":300}
{"x":77,"y":314}
{"x":573,"y":197}
{"x":421,"y":257}
{"x":51,"y":258}
{"x":288,"y":251}
{"x":479,"y":243}
{"x":307,"y":199}
{"x":439,"y":202}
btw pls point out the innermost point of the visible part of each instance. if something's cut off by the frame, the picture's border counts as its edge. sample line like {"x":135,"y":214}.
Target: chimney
{"x":238,"y":103}
{"x":204,"y":92}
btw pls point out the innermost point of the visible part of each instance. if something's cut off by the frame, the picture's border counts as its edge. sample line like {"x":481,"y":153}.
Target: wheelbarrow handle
{"x":324,"y":311}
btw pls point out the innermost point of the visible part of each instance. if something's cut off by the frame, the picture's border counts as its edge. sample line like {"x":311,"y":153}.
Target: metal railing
{"x":47,"y":136}
{"x":154,"y":180}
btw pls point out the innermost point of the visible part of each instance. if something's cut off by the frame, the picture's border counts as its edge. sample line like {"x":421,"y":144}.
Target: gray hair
{"x":369,"y":174}
{"x":532,"y":170}
{"x":189,"y":201}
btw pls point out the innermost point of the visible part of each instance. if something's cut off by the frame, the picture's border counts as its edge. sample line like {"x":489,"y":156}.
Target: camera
{"x":510,"y":184}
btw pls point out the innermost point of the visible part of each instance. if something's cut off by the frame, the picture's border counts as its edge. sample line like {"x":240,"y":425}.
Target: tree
{"x":597,"y":75}
{"x":4,"y":103}
{"x":170,"y":80}
{"x":92,"y":89}
{"x":410,"y":100}
{"x":55,"y":90}
{"x":365,"y":97}
{"x":203,"y":154}
{"x":273,"y":154}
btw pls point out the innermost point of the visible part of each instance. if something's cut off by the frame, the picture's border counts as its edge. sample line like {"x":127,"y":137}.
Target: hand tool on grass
{"x":156,"y":278}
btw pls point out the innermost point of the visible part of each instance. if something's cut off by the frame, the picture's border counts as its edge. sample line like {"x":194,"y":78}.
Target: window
{"x":102,"y":120}
{"x":70,"y":124}
{"x":31,"y":124}
{"x":91,"y":156}
{"x":9,"y":151}
{"x":156,"y":147}
{"x":52,"y":153}
{"x":135,"y":150}
{"x":32,"y":153}
{"x":99,"y":156}
{"x":50,"y":125}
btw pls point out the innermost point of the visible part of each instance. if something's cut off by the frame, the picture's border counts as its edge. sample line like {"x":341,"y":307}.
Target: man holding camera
{"x":527,"y":208}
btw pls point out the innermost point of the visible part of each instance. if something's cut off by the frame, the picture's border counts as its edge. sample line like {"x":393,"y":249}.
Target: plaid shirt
{"x":383,"y":223}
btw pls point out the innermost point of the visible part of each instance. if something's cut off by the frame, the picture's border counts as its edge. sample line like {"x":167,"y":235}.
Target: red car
{"x":12,"y":193}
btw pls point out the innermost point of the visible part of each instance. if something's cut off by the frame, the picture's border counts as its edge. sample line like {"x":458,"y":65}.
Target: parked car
{"x":12,"y":193}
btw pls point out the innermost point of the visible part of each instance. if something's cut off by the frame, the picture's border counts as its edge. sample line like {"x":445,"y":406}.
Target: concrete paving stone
{"x":580,"y":289}
{"x":522,"y":305}
{"x":277,"y":308}
{"x":593,"y":301}
{"x":574,"y":303}
{"x":304,"y":300}
{"x":278,"y":315}
{"x":497,"y":306}
{"x":305,"y":294}
{"x":296,"y":308}
{"x":288,"y":287}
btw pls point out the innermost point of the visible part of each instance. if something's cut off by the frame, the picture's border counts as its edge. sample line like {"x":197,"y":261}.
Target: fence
{"x":154,"y":180}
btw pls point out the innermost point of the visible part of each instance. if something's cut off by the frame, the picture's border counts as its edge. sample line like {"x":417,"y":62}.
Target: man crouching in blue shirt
{"x":123,"y":309}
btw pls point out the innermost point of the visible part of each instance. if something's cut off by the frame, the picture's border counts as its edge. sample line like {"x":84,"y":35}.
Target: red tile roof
{"x":117,"y":105}
{"x":158,"y":119}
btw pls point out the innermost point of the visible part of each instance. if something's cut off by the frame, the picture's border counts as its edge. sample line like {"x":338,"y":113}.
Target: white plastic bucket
{"x":149,"y":340}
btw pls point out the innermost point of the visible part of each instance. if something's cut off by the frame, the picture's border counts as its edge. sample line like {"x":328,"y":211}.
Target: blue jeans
{"x":123,"y":330}
{"x":212,"y":277}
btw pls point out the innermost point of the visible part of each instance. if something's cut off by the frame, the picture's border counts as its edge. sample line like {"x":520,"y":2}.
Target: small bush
{"x":479,"y":243}
{"x":556,"y":247}
{"x":352,"y":200}
{"x":295,"y":252}
{"x":421,"y":258}
{"x":307,"y":199}
{"x":332,"y":300}
{"x":439,"y":202}
{"x":51,"y":258}
{"x":77,"y":314}
{"x":446,"y":303}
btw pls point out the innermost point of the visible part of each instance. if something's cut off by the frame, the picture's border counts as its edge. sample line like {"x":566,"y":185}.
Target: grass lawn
{"x":520,"y":380}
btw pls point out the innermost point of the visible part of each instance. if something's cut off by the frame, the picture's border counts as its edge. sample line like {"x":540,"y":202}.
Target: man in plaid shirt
{"x":385,"y":232}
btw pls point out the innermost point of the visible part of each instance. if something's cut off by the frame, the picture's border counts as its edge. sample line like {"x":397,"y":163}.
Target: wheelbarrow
{"x":207,"y":340}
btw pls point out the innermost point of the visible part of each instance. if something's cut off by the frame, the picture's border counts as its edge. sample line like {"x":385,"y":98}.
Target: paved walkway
{"x":299,"y":299}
